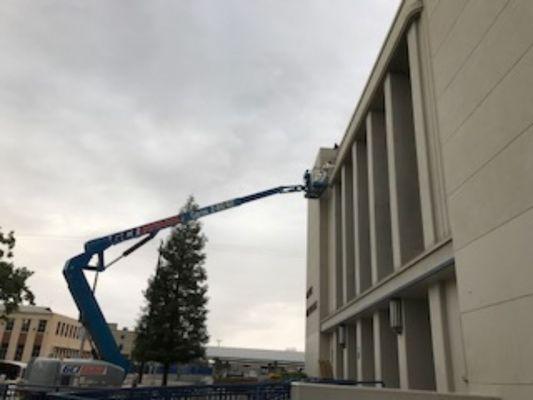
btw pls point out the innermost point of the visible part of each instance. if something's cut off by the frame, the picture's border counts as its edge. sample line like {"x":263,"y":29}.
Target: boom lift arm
{"x":91,"y":314}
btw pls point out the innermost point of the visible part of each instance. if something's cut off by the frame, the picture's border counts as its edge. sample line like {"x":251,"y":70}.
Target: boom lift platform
{"x":91,"y":315}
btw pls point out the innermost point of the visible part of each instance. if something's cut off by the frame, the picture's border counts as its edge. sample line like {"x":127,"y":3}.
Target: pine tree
{"x":172,"y":326}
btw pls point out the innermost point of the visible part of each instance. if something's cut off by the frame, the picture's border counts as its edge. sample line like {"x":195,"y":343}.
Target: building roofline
{"x":407,"y":11}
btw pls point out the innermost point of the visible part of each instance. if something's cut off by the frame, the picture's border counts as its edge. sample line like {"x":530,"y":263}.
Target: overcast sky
{"x":113,"y":112}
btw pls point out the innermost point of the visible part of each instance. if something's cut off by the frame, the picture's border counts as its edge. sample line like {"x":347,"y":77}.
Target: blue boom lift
{"x":90,"y":313}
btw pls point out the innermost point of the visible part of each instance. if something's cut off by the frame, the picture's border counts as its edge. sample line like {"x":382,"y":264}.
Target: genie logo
{"x":124,"y":235}
{"x":70,"y":369}
{"x":213,"y":209}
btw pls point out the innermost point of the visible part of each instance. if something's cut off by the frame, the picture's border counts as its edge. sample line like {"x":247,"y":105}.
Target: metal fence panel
{"x":270,"y":391}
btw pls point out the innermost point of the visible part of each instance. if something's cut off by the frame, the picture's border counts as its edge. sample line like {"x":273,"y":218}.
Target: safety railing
{"x":256,"y":391}
{"x":261,"y":391}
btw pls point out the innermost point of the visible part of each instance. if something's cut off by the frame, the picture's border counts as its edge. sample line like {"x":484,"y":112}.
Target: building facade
{"x":37,"y":331}
{"x":246,"y":362}
{"x":125,"y":339}
{"x":419,"y":252}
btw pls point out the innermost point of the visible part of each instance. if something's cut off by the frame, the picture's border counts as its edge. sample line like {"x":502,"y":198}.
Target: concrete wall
{"x":317,"y":297}
{"x":439,"y":155}
{"x":482,"y":58}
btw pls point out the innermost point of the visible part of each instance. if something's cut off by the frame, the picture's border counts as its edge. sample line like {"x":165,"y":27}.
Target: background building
{"x":254,"y":362}
{"x":37,"y":331}
{"x":125,"y":339}
{"x":232,"y":360}
{"x":419,"y":253}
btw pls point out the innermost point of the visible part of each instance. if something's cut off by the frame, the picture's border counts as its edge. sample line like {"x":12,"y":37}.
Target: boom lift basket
{"x":317,"y":180}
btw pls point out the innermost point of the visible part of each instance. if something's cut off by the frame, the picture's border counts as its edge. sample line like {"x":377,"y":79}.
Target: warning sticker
{"x":93,"y":370}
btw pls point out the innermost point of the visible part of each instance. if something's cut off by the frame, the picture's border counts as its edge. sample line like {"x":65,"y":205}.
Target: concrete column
{"x":363,"y":270}
{"x":321,"y":273}
{"x":30,"y":339}
{"x":440,"y":338}
{"x":420,"y":129}
{"x":385,"y":351}
{"x":335,"y":248}
{"x":337,"y":359}
{"x":347,"y":223}
{"x":337,"y":195}
{"x":406,"y":226}
{"x":415,"y":353}
{"x":365,"y":349}
{"x":13,"y":340}
{"x":350,"y":353}
{"x":378,"y":197}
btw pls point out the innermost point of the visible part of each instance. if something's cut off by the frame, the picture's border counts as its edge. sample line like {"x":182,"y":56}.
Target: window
{"x":36,"y":350}
{"x":25,"y":325}
{"x":311,"y":308}
{"x":9,"y":324}
{"x":57,"y":328}
{"x":42,"y":325}
{"x":18,"y":353}
{"x":3,"y":351}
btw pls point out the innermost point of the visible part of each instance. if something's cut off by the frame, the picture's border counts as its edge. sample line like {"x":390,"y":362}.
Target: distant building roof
{"x":30,"y":309}
{"x":239,"y":353}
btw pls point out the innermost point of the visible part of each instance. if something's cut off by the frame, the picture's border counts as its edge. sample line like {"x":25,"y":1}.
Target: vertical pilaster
{"x":335,"y":248}
{"x":338,"y":357}
{"x":14,"y":338}
{"x":406,"y":228}
{"x":30,"y":339}
{"x":365,"y":349}
{"x":350,"y":353}
{"x":420,"y":129}
{"x":337,"y":196}
{"x":347,"y":223}
{"x":378,"y":197}
{"x":415,"y":353}
{"x":440,"y":337}
{"x":385,"y":350}
{"x":363,"y":269}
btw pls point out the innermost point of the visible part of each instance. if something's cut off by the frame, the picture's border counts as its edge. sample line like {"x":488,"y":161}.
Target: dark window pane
{"x":42,"y":325}
{"x":9,"y":324}
{"x":25,"y":325}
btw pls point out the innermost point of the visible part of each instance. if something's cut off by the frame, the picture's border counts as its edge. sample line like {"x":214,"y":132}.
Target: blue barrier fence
{"x":256,"y":391}
{"x":267,"y":391}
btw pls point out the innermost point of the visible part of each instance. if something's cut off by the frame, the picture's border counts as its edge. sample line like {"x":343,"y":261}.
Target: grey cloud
{"x":112,"y":113}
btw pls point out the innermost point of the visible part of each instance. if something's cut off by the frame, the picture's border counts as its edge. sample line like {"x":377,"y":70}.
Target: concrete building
{"x":38,"y":331}
{"x":254,"y":362}
{"x":125,"y":339}
{"x":419,"y":252}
